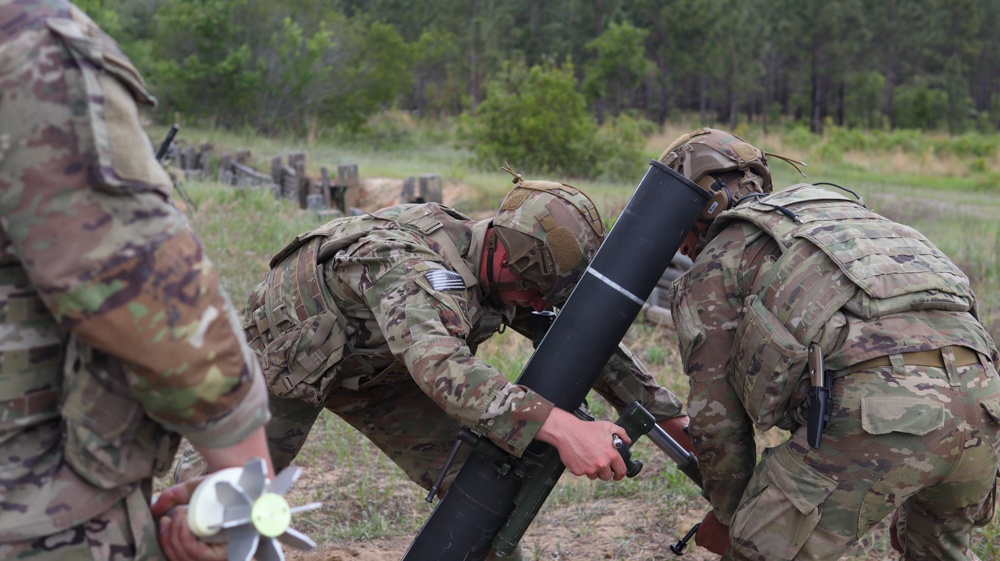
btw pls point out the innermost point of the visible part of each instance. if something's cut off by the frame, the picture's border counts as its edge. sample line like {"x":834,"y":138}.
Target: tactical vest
{"x":835,"y":254}
{"x":82,"y":441}
{"x":31,"y":352}
{"x":293,"y":320}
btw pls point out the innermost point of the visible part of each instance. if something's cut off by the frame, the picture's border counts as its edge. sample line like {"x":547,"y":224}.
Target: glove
{"x":713,"y":535}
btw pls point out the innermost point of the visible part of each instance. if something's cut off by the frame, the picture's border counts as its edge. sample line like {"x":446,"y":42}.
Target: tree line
{"x":296,"y":65}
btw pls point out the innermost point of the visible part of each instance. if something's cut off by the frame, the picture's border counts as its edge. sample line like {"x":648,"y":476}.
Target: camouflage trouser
{"x":412,"y":430}
{"x":925,"y":440}
{"x":111,"y":536}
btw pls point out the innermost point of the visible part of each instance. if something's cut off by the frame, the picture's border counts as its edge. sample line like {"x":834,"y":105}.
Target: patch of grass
{"x":986,"y":541}
{"x":241,"y":229}
{"x":508,"y":352}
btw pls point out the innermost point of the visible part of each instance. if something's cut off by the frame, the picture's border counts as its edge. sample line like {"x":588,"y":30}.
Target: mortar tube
{"x":572,"y":354}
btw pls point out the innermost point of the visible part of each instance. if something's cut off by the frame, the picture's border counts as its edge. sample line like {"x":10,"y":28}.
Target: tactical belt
{"x":963,"y":357}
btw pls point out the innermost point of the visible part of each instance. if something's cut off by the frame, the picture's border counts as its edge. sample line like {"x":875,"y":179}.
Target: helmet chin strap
{"x":489,"y":287}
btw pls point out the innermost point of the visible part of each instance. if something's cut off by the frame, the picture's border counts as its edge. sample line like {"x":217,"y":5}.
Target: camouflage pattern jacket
{"x":115,"y":334}
{"x":768,"y":284}
{"x":400,"y":297}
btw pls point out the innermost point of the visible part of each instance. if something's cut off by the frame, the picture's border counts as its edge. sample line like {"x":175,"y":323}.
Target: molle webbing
{"x":427,"y":221}
{"x":837,"y":246}
{"x":804,"y":290}
{"x":31,"y":353}
{"x":430,"y":221}
{"x":296,"y":292}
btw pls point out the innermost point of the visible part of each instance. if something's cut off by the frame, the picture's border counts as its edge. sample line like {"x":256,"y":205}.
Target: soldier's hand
{"x":585,"y":447}
{"x":713,"y":535}
{"x":173,"y":496}
{"x":179,"y":544}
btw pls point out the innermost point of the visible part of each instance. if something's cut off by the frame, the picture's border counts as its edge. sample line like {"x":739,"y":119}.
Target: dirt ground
{"x":622,"y":527}
{"x":379,"y":192}
{"x":620,"y":532}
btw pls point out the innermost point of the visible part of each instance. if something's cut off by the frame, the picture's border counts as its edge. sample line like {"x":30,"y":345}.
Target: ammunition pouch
{"x":294,"y":327}
{"x":767,"y":366}
{"x":109,"y":440}
{"x":298,"y":362}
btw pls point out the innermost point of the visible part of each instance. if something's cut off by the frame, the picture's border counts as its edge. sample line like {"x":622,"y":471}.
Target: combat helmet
{"x":715,"y":160}
{"x":550,"y":231}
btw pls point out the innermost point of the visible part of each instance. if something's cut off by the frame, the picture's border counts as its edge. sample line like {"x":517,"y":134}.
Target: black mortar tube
{"x":572,"y":354}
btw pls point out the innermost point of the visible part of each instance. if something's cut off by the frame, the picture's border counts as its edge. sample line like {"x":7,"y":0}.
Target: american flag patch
{"x":444,"y":280}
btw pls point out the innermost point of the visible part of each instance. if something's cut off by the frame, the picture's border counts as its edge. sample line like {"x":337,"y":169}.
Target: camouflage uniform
{"x":377,"y":318}
{"x":115,"y":335}
{"x":915,"y":420}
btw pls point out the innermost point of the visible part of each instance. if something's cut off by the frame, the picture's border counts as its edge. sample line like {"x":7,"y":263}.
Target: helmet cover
{"x":705,"y":154}
{"x":550,"y":232}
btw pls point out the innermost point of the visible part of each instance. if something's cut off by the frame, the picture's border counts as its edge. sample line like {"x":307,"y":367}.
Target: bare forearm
{"x":235,"y":455}
{"x":585,"y":447}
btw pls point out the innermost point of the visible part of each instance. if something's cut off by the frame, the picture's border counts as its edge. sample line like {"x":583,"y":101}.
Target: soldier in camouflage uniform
{"x":376,"y":318}
{"x":115,"y":335}
{"x":915,"y":415}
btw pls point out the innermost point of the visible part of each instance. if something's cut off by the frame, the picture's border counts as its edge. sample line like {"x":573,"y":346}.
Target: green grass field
{"x":366,"y":497}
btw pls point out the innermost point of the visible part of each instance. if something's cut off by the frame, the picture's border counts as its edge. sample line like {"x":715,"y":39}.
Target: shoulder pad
{"x":805,"y":192}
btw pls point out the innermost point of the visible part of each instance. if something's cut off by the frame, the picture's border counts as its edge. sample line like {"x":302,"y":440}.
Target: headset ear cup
{"x":720,"y":202}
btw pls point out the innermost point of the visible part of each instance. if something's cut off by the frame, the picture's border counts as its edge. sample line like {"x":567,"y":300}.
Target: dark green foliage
{"x":294,"y":66}
{"x":370,"y":78}
{"x":205,"y":66}
{"x":863,"y":100}
{"x":919,"y":105}
{"x":617,"y":150}
{"x":308,"y":66}
{"x":534,"y":119}
{"x":439,"y":87}
{"x":618,"y":66}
